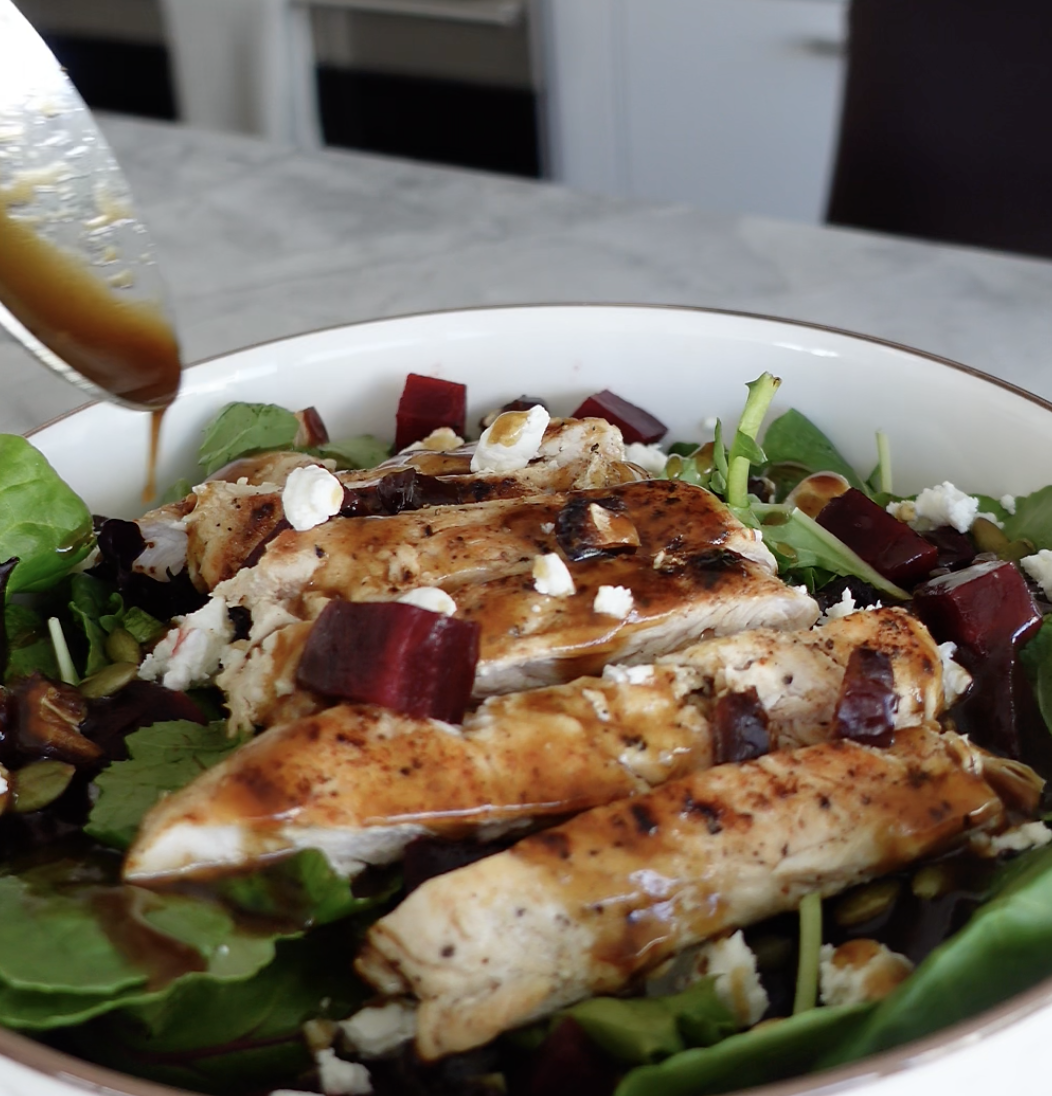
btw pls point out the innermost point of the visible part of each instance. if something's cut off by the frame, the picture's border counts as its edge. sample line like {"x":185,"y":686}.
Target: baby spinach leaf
{"x":647,"y":1029}
{"x":1036,"y":658}
{"x":302,"y":888}
{"x":42,"y":521}
{"x":792,"y":439}
{"x":767,"y":1053}
{"x":55,"y":941}
{"x":242,"y":428}
{"x":1032,"y":519}
{"x":363,"y":451}
{"x":1005,"y":948}
{"x":234,"y":1037}
{"x":162,"y":758}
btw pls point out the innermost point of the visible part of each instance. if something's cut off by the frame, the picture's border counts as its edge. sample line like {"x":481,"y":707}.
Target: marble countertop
{"x":259,"y":241}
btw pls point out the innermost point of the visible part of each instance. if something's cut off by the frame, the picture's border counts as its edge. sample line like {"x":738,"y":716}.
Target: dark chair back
{"x":946,"y":131}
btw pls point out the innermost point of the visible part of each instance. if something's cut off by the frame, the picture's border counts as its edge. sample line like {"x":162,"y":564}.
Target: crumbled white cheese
{"x":955,"y":678}
{"x":552,"y":577}
{"x":443,"y":439}
{"x":431,"y":598}
{"x":165,"y":551}
{"x":4,"y":785}
{"x":191,"y":652}
{"x":1008,"y":502}
{"x":511,"y":441}
{"x":858,"y":971}
{"x":1039,"y":568}
{"x":628,"y":675}
{"x":615,"y":601}
{"x":310,"y":497}
{"x":651,"y":458}
{"x":1030,"y":835}
{"x":340,"y":1078}
{"x":547,"y":528}
{"x":842,"y":608}
{"x":378,"y":1030}
{"x":733,"y":964}
{"x":941,"y":505}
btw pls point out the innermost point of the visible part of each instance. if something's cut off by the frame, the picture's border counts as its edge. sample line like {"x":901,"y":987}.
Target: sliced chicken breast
{"x":586,"y":907}
{"x":359,"y":782}
{"x":234,"y":516}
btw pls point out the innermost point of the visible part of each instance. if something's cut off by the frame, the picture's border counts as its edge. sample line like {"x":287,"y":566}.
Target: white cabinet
{"x":732,"y":105}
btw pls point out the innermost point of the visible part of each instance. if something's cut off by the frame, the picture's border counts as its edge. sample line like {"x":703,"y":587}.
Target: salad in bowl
{"x":540,"y":732}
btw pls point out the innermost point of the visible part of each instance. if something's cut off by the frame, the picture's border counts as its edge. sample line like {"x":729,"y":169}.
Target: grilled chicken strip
{"x":693,"y":570}
{"x":586,"y":907}
{"x":360,"y":782}
{"x":236,"y":513}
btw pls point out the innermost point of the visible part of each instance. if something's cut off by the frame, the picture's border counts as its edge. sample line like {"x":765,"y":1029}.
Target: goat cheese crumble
{"x":651,"y":458}
{"x":1039,"y":568}
{"x":614,"y":601}
{"x":511,"y":441}
{"x":191,"y":652}
{"x":310,"y":497}
{"x":431,"y":598}
{"x":552,"y":577}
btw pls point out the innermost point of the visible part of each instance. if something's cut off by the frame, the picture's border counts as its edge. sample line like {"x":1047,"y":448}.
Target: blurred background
{"x":920,"y":117}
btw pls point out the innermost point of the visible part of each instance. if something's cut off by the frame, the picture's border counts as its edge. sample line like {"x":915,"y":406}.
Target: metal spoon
{"x":79,"y":285}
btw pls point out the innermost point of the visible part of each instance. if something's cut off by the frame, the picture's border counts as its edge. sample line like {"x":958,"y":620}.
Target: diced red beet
{"x":955,"y":549}
{"x":426,"y":404}
{"x":634,"y":423}
{"x":739,"y":725}
{"x":888,"y":545}
{"x":408,"y":659}
{"x":982,"y":608}
{"x":865,"y":709}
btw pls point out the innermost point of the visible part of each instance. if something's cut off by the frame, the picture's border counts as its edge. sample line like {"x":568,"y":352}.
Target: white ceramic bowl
{"x":944,"y":422}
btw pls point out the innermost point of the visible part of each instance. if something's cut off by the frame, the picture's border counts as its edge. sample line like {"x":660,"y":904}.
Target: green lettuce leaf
{"x":1005,"y":948}
{"x":1036,"y":657}
{"x":42,"y":521}
{"x":799,"y":543}
{"x":91,"y":601}
{"x":646,"y":1029}
{"x":162,"y":758}
{"x":793,"y":440}
{"x":767,"y":1053}
{"x":242,"y":428}
{"x":1032,"y":519}
{"x":29,"y":645}
{"x":234,"y":1037}
{"x":363,"y":451}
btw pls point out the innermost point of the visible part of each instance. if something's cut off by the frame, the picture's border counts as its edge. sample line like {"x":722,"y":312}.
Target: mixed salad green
{"x":228,"y":988}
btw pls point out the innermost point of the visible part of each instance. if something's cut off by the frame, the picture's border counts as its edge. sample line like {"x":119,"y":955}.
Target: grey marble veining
{"x":259,"y":241}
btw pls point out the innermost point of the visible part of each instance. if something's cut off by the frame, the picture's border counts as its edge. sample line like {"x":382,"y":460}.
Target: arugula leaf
{"x":161,"y":758}
{"x":242,"y":428}
{"x":792,"y":439}
{"x":1036,"y":657}
{"x":1005,"y":948}
{"x":363,"y":451}
{"x":1032,"y":519}
{"x":647,"y":1029}
{"x":42,"y":521}
{"x":799,"y":542}
{"x":780,"y":1049}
